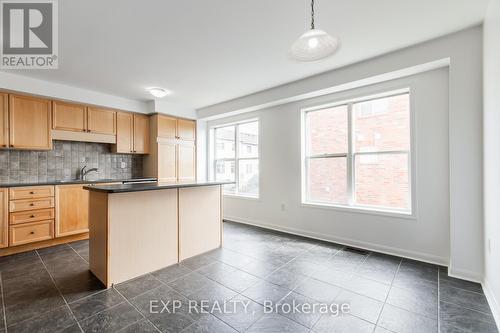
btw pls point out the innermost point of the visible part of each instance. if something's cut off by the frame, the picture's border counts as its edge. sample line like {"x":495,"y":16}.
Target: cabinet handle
{"x":4,"y":145}
{"x":32,"y":233}
{"x":32,"y":204}
{"x":31,"y":192}
{"x":32,"y":216}
{"x":88,"y":131}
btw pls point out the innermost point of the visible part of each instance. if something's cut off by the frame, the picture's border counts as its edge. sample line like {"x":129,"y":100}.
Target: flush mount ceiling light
{"x":158,"y":92}
{"x":315,"y":44}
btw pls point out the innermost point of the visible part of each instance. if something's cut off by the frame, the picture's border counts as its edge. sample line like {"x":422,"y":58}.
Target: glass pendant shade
{"x":314,"y":45}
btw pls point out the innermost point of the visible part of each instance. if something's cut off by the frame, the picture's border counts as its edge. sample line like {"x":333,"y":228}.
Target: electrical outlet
{"x":123,"y":165}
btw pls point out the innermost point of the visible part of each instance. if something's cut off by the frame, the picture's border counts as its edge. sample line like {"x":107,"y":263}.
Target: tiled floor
{"x":51,"y":290}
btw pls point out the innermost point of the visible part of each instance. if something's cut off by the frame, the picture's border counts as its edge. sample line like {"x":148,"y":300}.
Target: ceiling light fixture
{"x":315,"y":44}
{"x":158,"y":92}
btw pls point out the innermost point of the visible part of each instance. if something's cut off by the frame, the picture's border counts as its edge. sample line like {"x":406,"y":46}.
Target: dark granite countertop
{"x":121,"y":188}
{"x":76,"y":181}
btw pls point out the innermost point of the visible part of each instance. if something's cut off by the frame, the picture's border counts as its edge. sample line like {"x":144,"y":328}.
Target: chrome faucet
{"x":84,"y":172}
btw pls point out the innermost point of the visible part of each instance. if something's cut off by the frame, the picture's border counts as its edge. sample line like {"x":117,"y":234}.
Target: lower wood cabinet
{"x":72,"y":210}
{"x":31,"y":232}
{"x":4,"y":217}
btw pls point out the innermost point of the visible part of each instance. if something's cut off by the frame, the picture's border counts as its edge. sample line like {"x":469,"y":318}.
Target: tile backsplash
{"x":64,"y":161}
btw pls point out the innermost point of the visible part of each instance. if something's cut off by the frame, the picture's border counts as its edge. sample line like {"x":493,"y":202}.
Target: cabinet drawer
{"x":30,"y":204}
{"x":31,"y":192}
{"x":31,"y":232}
{"x":31,"y":216}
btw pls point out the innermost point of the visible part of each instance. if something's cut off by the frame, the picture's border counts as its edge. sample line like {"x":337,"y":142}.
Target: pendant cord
{"x":312,"y":14}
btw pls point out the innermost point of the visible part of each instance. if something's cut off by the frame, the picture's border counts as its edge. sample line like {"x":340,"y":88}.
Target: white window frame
{"x":351,"y":156}
{"x":236,"y":158}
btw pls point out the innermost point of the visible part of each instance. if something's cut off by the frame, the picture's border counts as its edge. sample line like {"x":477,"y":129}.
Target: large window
{"x":236,"y":158}
{"x":357,"y":154}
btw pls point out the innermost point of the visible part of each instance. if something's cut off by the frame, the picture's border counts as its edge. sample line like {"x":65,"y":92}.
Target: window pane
{"x":249,"y":177}
{"x":382,"y":180}
{"x":224,"y":170}
{"x":382,"y":124}
{"x":327,"y":180}
{"x":249,"y":140}
{"x":224,"y":142}
{"x":326,"y":131}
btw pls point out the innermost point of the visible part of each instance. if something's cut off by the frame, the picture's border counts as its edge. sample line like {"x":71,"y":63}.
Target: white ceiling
{"x":209,"y":51}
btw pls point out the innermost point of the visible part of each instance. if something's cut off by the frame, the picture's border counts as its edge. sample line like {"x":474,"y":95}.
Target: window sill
{"x":361,"y":210}
{"x":240,"y":196}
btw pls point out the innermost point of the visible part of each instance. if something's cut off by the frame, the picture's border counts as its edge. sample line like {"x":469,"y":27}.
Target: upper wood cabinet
{"x":141,"y":134}
{"x":186,"y":129}
{"x":72,"y":210}
{"x":4,"y":120}
{"x":167,"y":127}
{"x":69,"y":117}
{"x":132,"y":133}
{"x":4,"y":217}
{"x":101,"y":121}
{"x":30,"y":123}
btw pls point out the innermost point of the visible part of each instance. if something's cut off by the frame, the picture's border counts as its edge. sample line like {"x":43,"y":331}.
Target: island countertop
{"x":123,"y":188}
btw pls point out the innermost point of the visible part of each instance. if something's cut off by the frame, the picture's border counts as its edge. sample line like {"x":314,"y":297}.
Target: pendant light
{"x":315,"y":44}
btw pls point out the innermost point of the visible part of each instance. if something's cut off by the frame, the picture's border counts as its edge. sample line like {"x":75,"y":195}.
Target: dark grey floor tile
{"x":112,"y":319}
{"x":367,"y":287}
{"x":49,"y":322}
{"x":175,"y":321}
{"x":213,"y":294}
{"x":343,"y":323}
{"x":265,"y":292}
{"x":234,"y":259}
{"x":465,"y":319}
{"x":190,"y":283}
{"x":333,"y":276}
{"x":75,"y":328}
{"x":286,"y":278}
{"x":418,"y":270}
{"x":143,"y":326}
{"x":360,"y":306}
{"x":274,"y":323}
{"x":82,"y":285}
{"x":421,"y":301}
{"x":89,"y":306}
{"x":448,"y":281}
{"x":408,"y":281}
{"x":307,"y":264}
{"x":379,"y":329}
{"x":171,"y":273}
{"x":137,"y":286}
{"x":209,"y":324}
{"x":318,"y":290}
{"x":242,"y":313}
{"x":464,"y":298}
{"x":80,"y":245}
{"x":379,"y":267}
{"x":216,"y":270}
{"x":160,"y":299}
{"x":447,"y":328}
{"x":300,"y":309}
{"x":20,"y":264}
{"x":238,"y":280}
{"x":198,"y":261}
{"x":399,"y":320}
{"x":261,"y":268}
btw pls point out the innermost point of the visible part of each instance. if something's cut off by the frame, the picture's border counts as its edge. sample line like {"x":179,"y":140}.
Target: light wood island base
{"x":138,"y":232}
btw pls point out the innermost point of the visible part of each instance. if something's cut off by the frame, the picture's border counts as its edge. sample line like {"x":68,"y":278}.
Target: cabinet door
{"x":186,"y":129}
{"x":30,"y":122}
{"x":72,"y":210}
{"x":167,"y":127}
{"x":101,"y":121}
{"x":4,"y":218}
{"x":69,"y":117}
{"x":4,"y":120}
{"x":124,"y":138}
{"x":186,"y":156}
{"x":141,"y":134}
{"x":167,"y":162}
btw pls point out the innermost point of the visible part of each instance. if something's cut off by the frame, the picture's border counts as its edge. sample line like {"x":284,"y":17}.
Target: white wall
{"x":425,"y":237}
{"x":492,"y":155}
{"x":464,"y":53}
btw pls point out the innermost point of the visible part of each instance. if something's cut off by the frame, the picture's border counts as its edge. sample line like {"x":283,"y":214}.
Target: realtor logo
{"x":29,"y":34}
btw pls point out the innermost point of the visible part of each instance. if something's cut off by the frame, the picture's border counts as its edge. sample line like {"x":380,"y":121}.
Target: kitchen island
{"x":135,"y":229}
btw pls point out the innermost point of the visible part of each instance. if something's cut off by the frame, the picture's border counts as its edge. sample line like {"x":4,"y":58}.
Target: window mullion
{"x":350,"y":161}
{"x":236,"y":158}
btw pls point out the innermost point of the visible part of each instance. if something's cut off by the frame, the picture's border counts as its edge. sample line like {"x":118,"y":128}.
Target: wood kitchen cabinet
{"x":69,"y":117}
{"x":173,"y":149}
{"x":101,"y":121}
{"x":72,"y":209}
{"x":4,"y":120}
{"x":4,"y":217}
{"x":30,"y":123}
{"x":132,"y":133}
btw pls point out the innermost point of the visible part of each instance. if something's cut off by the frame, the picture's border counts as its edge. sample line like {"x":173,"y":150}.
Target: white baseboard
{"x":464,"y":274}
{"x":492,"y":301}
{"x":420,"y":256}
